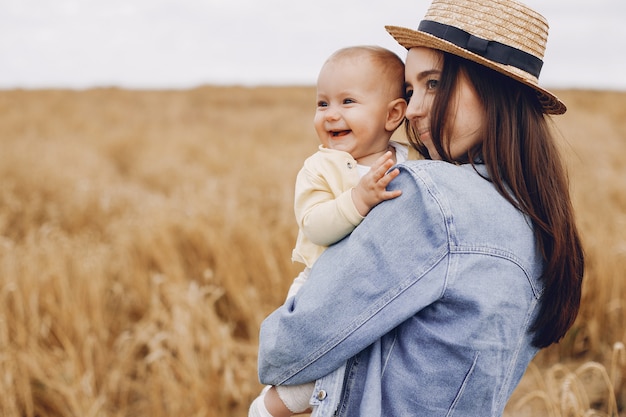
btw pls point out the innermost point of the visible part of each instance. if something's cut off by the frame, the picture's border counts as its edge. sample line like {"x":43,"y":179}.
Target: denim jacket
{"x":424,"y":310}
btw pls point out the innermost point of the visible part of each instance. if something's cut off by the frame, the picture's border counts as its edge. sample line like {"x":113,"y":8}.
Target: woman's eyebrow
{"x":427,"y":73}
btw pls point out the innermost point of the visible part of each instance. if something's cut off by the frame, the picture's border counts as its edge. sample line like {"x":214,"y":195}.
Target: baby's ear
{"x":395,"y":114}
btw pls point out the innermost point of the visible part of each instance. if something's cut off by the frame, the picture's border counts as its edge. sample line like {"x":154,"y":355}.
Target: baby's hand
{"x":372,"y":189}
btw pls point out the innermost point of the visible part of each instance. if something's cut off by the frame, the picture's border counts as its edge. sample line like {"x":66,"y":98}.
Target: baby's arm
{"x":372,"y":188}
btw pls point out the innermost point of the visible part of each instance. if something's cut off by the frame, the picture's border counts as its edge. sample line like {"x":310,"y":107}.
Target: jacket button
{"x":350,"y":165}
{"x":321,"y":395}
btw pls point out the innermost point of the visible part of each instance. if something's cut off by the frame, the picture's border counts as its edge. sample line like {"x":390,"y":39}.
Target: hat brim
{"x":410,"y":38}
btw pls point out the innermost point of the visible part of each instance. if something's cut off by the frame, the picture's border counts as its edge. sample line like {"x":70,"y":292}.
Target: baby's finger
{"x":383,"y":170}
{"x":388,"y":195}
{"x":383,"y":161}
{"x":389,"y":176}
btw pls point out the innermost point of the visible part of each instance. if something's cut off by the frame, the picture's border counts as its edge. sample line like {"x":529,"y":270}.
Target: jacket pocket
{"x":464,"y":384}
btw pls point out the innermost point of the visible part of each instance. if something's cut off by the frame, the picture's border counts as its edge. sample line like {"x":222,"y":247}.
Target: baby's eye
{"x":348,"y":101}
{"x":322,"y":104}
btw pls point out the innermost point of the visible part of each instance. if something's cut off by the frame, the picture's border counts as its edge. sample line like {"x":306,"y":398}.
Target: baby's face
{"x":352,"y":107}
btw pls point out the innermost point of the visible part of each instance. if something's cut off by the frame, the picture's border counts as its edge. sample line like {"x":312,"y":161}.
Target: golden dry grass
{"x":144,"y":235}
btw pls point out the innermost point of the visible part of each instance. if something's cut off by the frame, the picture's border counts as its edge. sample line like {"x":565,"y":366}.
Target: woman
{"x":442,"y":296}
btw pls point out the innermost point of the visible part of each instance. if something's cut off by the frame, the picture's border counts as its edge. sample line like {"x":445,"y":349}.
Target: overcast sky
{"x":186,"y":43}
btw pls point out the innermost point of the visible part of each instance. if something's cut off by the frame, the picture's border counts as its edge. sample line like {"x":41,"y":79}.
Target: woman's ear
{"x":395,"y":114}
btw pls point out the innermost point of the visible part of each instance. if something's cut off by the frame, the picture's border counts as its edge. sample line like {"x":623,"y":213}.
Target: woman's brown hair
{"x":525,"y":166}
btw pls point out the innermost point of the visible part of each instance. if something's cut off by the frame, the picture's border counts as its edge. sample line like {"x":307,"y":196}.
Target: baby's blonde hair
{"x":390,"y":64}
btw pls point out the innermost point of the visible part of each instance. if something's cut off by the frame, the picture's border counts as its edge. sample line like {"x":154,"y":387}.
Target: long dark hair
{"x":524,"y":164}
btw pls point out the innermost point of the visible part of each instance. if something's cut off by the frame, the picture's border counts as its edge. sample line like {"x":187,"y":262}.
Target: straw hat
{"x":504,"y":35}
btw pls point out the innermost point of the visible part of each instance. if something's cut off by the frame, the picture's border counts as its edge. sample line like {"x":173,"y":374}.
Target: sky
{"x":148,"y":44}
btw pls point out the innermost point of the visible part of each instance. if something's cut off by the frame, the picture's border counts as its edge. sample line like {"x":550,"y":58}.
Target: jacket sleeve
{"x":388,"y":269}
{"x":324,"y":215}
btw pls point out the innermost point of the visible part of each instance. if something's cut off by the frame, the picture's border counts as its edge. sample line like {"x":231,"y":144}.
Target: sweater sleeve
{"x":323,"y":204}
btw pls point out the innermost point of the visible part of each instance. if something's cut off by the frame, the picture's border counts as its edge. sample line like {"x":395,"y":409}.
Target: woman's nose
{"x":416,"y":107}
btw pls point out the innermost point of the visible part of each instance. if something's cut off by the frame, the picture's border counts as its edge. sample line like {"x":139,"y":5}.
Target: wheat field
{"x":144,"y":236}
